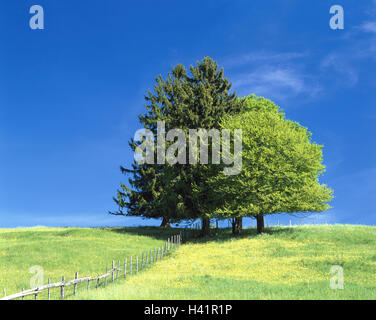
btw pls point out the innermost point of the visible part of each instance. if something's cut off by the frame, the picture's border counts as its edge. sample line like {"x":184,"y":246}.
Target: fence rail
{"x":159,"y":254}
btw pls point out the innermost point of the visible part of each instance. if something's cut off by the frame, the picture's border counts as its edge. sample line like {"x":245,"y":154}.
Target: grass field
{"x":284,"y":263}
{"x":63,"y":251}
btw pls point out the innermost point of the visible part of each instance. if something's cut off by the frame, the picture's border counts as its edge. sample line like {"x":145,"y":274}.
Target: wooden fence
{"x":151,"y":256}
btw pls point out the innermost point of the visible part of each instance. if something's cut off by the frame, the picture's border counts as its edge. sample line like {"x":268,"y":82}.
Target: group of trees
{"x":280,"y":163}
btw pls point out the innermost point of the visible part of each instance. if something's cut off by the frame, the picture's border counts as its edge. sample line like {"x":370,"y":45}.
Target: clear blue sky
{"x":70,"y":94}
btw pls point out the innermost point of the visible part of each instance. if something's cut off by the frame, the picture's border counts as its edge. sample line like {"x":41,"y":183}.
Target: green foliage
{"x":254,"y":103}
{"x":184,"y":101}
{"x":280,"y":169}
{"x":281,"y":165}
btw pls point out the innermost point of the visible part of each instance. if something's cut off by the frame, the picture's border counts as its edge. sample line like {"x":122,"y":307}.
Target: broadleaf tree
{"x":280,"y":171}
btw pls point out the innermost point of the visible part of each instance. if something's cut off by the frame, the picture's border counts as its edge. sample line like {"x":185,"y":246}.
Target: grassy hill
{"x":284,"y":263}
{"x":64,"y":251}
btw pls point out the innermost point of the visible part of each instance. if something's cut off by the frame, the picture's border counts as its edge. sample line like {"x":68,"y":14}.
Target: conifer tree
{"x":184,"y":101}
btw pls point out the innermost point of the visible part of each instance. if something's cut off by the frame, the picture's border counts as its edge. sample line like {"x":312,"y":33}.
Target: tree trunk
{"x":237,"y":226}
{"x":260,"y":224}
{"x":165,"y":223}
{"x":205,"y":226}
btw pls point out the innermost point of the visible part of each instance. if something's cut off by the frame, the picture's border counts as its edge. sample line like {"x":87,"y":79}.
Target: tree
{"x":150,"y":195}
{"x":280,"y":167}
{"x":151,"y":190}
{"x":183,"y":101}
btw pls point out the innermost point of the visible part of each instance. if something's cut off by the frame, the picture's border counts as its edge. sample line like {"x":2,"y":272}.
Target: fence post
{"x":154,"y":256}
{"x":23,"y":298}
{"x":105,"y":278}
{"x":88,"y":285}
{"x":117,"y":272}
{"x":75,"y":285}
{"x":125,"y":268}
{"x":130,"y":266}
{"x":48,"y":290}
{"x":62,"y":288}
{"x":98,"y":281}
{"x":112,"y":273}
{"x":36,"y":294}
{"x":136,"y":264}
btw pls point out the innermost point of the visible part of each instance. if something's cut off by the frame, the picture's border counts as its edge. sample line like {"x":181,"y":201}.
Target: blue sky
{"x":70,"y":94}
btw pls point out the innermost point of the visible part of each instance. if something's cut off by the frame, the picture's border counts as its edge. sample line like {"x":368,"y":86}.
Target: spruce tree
{"x":184,"y":101}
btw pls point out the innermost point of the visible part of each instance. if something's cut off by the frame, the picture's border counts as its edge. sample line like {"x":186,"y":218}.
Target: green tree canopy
{"x":183,"y":100}
{"x":280,"y":166}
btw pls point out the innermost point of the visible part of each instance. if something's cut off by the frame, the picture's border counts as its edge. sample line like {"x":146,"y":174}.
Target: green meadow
{"x":64,"y":251}
{"x":283,"y":263}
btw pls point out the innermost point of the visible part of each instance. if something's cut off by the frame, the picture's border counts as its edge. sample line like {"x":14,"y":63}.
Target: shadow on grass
{"x":157,"y":233}
{"x":223,"y":235}
{"x":194,"y":236}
